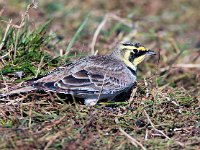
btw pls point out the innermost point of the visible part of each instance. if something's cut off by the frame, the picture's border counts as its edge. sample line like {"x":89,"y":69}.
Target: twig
{"x":39,"y":67}
{"x":131,"y":139}
{"x":54,"y":123}
{"x":52,"y":138}
{"x":14,"y":102}
{"x":146,"y":135}
{"x":148,"y":118}
{"x":101,"y":25}
{"x":22,"y":23}
{"x":186,"y":66}
{"x":5,"y":35}
{"x":146,"y":85}
{"x":161,"y":132}
{"x":131,"y":99}
{"x":197,"y":56}
{"x":121,"y":20}
{"x":30,"y":114}
{"x":1,"y":57}
{"x":4,"y":81}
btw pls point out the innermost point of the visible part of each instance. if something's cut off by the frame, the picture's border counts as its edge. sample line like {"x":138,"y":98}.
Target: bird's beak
{"x":150,"y":52}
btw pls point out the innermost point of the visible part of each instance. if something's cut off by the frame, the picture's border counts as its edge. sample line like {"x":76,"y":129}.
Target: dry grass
{"x":162,"y":113}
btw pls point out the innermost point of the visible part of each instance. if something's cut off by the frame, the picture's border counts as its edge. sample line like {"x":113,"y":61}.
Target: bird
{"x":94,"y":77}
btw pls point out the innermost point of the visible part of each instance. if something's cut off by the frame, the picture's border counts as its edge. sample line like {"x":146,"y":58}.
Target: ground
{"x":163,"y":112}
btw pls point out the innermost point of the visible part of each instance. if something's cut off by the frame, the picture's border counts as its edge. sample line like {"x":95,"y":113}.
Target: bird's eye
{"x":131,"y":57}
{"x":135,"y":51}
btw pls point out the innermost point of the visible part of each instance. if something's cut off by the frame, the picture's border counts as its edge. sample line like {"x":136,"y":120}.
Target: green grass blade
{"x":76,"y":35}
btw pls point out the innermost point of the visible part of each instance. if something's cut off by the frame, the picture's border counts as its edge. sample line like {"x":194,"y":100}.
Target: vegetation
{"x":163,"y":112}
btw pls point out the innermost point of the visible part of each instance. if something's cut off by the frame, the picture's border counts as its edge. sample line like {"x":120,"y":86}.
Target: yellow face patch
{"x":142,"y":48}
{"x":132,"y":54}
{"x":138,"y":60}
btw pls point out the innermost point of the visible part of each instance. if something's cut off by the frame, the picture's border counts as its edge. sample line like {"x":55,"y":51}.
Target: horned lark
{"x":94,"y":77}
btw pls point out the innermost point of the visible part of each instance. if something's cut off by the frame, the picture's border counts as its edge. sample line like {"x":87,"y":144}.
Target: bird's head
{"x":132,"y":53}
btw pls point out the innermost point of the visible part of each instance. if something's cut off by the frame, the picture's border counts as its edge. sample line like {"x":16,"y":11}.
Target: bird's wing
{"x":88,"y":77}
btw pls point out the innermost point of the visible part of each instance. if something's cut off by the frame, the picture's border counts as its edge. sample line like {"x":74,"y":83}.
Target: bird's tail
{"x":18,"y":91}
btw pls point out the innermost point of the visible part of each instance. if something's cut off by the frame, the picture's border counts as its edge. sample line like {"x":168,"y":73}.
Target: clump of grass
{"x":25,"y":50}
